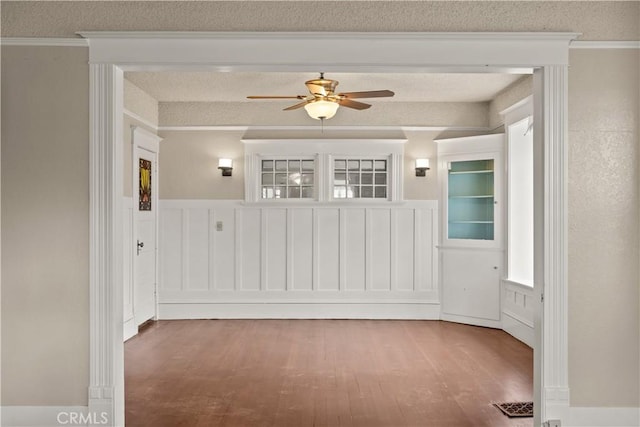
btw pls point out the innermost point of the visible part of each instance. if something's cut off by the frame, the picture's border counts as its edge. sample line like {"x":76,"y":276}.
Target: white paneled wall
{"x":226,"y":259}
{"x":130,"y":327}
{"x":518,"y":311}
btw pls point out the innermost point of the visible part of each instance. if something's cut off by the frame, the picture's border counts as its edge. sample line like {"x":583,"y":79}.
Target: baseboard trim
{"x":408,"y":311}
{"x":575,"y":416}
{"x":474,"y":321}
{"x":47,"y":416}
{"x":130,"y":329}
{"x":518,"y":328}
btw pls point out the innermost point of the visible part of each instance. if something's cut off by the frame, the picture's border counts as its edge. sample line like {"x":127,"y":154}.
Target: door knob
{"x":140,"y":245}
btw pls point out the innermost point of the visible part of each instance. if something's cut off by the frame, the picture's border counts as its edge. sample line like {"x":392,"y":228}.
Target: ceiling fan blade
{"x":368,"y":94}
{"x":353,"y":104}
{"x":275,"y":97}
{"x":296,"y":106}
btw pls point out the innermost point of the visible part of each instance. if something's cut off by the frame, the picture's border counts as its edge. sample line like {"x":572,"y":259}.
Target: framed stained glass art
{"x":145,"y":185}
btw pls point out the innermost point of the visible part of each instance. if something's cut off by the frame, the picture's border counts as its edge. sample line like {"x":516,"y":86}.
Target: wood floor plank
{"x":333,"y":373}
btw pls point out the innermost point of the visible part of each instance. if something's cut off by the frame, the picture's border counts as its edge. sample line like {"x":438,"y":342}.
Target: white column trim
{"x":106,"y":369}
{"x":551,"y":112}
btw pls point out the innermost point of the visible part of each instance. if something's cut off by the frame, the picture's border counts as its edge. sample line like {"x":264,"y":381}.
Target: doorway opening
{"x":110,"y":54}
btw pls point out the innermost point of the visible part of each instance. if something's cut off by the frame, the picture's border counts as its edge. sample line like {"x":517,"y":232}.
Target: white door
{"x":145,"y":224}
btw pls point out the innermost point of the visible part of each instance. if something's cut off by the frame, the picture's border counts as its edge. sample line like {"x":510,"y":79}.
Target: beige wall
{"x":382,"y":114}
{"x":144,"y":106}
{"x":45,"y":208}
{"x":604,"y":94}
{"x":421,"y":145}
{"x":45,"y":226}
{"x":189,"y":165}
{"x":139,"y":102}
{"x":507,"y":97}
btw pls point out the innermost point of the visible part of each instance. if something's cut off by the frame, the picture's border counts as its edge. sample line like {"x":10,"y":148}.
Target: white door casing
{"x":112,"y":52}
{"x":145,"y":224}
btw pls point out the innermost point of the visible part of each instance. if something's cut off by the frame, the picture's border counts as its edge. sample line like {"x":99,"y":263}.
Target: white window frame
{"x":394,"y":181}
{"x":259,"y":172}
{"x":324,"y":152}
{"x":514,"y":114}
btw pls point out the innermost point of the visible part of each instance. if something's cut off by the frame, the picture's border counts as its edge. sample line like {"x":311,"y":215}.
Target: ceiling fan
{"x":322,"y":102}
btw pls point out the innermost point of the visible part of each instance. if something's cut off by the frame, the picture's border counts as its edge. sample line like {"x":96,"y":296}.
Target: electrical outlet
{"x":552,"y":423}
{"x":219,"y":226}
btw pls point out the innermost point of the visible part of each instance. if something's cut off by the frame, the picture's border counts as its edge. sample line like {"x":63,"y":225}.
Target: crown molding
{"x":604,"y":44}
{"x":238,"y":128}
{"x":415,"y":52}
{"x":326,"y":129}
{"x":140,"y":119}
{"x":324,"y":141}
{"x":84,"y":42}
{"x":286,"y":35}
{"x":44,"y":41}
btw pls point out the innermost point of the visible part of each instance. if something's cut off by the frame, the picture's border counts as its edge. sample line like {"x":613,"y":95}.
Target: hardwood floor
{"x":244,"y":373}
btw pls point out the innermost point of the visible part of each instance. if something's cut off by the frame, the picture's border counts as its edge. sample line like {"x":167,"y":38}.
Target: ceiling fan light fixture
{"x":321,"y":109}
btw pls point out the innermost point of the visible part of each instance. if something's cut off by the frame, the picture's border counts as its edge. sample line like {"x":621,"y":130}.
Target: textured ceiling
{"x":236,"y":86}
{"x":604,"y":20}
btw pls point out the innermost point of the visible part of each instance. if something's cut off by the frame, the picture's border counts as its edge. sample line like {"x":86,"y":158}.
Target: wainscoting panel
{"x":274,"y":249}
{"x":250,"y":257}
{"x":197,"y":249}
{"x":327,"y":253}
{"x":353,"y":249}
{"x":379,"y":249}
{"x":426,"y":255}
{"x":222,"y":254}
{"x":300,"y":249}
{"x":130,"y":327}
{"x":517,"y":311}
{"x":222,"y":259}
{"x":403,"y":248}
{"x":171,"y":244}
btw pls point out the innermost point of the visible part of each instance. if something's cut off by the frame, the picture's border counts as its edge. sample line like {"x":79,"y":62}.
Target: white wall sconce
{"x":422,"y":166}
{"x":226,"y":165}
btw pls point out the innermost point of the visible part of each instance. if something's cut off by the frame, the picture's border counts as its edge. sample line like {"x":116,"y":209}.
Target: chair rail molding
{"x":111,"y":53}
